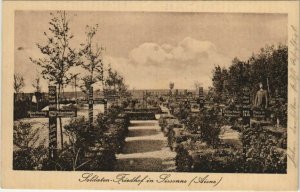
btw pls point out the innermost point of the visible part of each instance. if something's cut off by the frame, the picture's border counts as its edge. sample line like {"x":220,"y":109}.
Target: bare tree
{"x":18,"y":83}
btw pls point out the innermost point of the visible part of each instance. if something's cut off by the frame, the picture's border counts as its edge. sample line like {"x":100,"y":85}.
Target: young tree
{"x":59,"y":56}
{"x":115,"y":82}
{"x":27,"y":155}
{"x":18,"y":83}
{"x":91,"y":59}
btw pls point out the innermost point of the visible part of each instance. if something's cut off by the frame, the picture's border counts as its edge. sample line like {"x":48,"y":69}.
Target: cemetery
{"x":237,"y":125}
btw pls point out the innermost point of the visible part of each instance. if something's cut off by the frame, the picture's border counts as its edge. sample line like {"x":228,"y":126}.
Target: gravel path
{"x":146,"y":149}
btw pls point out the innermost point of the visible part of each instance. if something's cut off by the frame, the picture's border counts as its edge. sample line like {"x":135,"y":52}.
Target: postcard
{"x":150,"y":95}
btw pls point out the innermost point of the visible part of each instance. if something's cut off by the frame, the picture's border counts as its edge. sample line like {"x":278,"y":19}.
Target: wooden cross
{"x":53,"y":114}
{"x":91,"y":101}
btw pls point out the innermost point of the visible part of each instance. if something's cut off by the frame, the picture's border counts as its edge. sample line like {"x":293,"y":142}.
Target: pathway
{"x":146,"y":149}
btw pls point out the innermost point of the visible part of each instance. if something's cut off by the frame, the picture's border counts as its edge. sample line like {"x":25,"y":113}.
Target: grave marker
{"x":246,"y":112}
{"x":91,"y":101}
{"x":52,"y":123}
{"x":53,"y":114}
{"x":246,"y":106}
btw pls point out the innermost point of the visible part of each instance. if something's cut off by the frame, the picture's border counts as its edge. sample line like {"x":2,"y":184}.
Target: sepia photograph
{"x":158,"y":92}
{"x":150,"y":95}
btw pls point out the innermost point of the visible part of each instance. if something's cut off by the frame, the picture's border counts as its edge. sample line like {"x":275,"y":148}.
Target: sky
{"x":151,"y":49}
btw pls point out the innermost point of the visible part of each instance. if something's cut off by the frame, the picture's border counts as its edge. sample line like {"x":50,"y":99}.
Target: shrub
{"x":260,"y":152}
{"x":26,"y":155}
{"x":184,"y":161}
{"x":223,"y":160}
{"x":199,"y":157}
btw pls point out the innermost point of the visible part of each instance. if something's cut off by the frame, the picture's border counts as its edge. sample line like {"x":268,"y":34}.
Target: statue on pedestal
{"x":261,"y":98}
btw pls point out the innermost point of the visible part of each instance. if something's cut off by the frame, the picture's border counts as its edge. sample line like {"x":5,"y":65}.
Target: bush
{"x":261,"y":153}
{"x":199,"y":157}
{"x":223,"y":160}
{"x":208,"y":123}
{"x":26,"y":155}
{"x":184,"y":161}
{"x":94,"y":149}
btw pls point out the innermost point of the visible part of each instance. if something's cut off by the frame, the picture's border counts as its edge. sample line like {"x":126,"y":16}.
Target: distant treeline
{"x":269,"y":67}
{"x":135,"y":93}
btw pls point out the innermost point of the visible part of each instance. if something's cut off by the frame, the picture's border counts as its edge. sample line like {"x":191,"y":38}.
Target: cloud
{"x":189,"y":51}
{"x":149,"y":54}
{"x":151,"y":65}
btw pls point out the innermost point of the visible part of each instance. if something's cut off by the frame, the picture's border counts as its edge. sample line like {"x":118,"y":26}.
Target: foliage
{"x":220,"y":83}
{"x":91,"y":60}
{"x":26,"y":155}
{"x":199,"y":157}
{"x":184,"y":161}
{"x":261,"y":153}
{"x":279,"y":112}
{"x":224,"y":160}
{"x":59,"y":56}
{"x":81,"y":138}
{"x":115,"y":83}
{"x":182,"y":111}
{"x":210,"y":126}
{"x":207,"y":122}
{"x":269,"y":66}
{"x":193,"y":123}
{"x":95,"y":148}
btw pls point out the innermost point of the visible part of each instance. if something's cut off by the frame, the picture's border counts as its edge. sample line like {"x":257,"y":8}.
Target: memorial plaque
{"x":259,"y":114}
{"x":231,"y":113}
{"x":38,"y":114}
{"x":63,"y":113}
